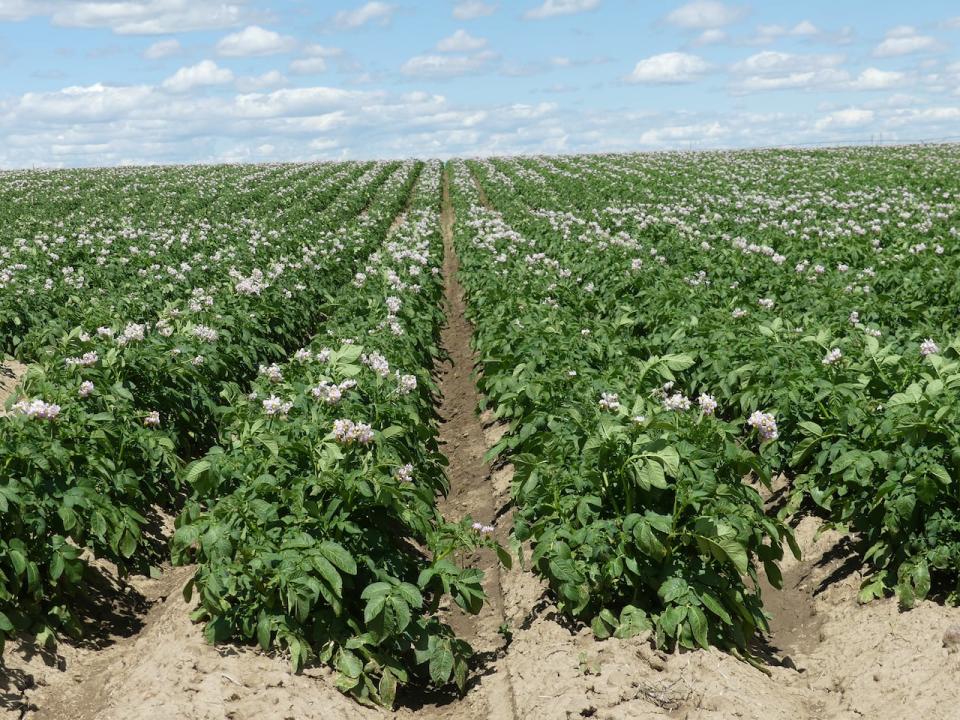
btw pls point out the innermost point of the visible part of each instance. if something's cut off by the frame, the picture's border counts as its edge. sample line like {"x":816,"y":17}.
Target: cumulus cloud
{"x":767,"y":34}
{"x":380,"y":13}
{"x":473,"y":9}
{"x":461,"y":41}
{"x":204,"y":74}
{"x":705,"y":14}
{"x":876,"y":79}
{"x":130,"y":17}
{"x":308,"y":66}
{"x":16,"y":10}
{"x":904,"y":40}
{"x":255,"y":41}
{"x":711,"y":37}
{"x":671,"y":67}
{"x":844,"y":119}
{"x":773,"y":70}
{"x":447,"y":66}
{"x":553,"y":8}
{"x":267,"y":80}
{"x":162,"y":49}
{"x":82,"y":104}
{"x":772,"y":62}
{"x":672,"y":135}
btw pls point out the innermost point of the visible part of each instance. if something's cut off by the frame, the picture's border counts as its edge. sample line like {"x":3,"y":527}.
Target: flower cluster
{"x":676,"y":402}
{"x":707,"y":403}
{"x":85,"y":360}
{"x":609,"y":401}
{"x":37,"y":409}
{"x":85,"y":389}
{"x":376,"y":362}
{"x":348,"y":432}
{"x":152,"y":419}
{"x":330,"y":393}
{"x":272,"y":372}
{"x":274,"y":406}
{"x":832,"y":357}
{"x":765,"y":424}
{"x":928,"y":347}
{"x":207,"y":334}
{"x":133,"y":331}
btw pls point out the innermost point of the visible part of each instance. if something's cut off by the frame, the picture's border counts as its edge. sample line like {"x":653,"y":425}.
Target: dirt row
{"x":829,"y":658}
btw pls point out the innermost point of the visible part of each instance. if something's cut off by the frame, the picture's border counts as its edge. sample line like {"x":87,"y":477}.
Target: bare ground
{"x":10,"y":373}
{"x":828,"y":658}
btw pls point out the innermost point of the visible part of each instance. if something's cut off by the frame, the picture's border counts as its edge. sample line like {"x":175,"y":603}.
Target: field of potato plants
{"x":620,"y":436}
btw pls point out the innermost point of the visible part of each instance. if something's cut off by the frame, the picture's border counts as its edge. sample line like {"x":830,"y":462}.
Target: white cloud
{"x":268,"y":80}
{"x":255,"y":41}
{"x":829,"y":77}
{"x":672,"y":67}
{"x":375,"y":12}
{"x":876,"y":79}
{"x":204,"y":74}
{"x":711,"y":37}
{"x":16,"y":10}
{"x":162,"y":49}
{"x":844,"y":119}
{"x":704,"y":14}
{"x":473,"y":9}
{"x":81,"y":104}
{"x":553,"y":8}
{"x":904,"y":40}
{"x":772,"y":70}
{"x":316,"y":50}
{"x":132,"y":17}
{"x":461,"y":41}
{"x":804,"y":28}
{"x":445,"y":66}
{"x":767,"y":34}
{"x":308,"y":66}
{"x":772,"y":62}
{"x":673,"y":134}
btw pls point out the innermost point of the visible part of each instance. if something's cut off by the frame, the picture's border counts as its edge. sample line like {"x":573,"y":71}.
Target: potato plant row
{"x":94,"y":440}
{"x":78,"y":247}
{"x":314,"y":521}
{"x":667,"y":332}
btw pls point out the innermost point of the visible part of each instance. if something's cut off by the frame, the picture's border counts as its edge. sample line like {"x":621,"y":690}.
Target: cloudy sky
{"x":101,"y":82}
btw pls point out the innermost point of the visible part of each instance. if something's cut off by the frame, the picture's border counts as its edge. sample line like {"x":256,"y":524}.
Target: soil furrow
{"x":471,"y":492}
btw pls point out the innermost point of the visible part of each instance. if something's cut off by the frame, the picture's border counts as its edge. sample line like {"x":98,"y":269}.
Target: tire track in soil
{"x":471,"y":493}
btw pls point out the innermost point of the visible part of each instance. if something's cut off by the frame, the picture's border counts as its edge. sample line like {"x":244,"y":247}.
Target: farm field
{"x":666,"y":435}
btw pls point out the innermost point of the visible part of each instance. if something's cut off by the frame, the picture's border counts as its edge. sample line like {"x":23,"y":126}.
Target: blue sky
{"x":97,"y":82}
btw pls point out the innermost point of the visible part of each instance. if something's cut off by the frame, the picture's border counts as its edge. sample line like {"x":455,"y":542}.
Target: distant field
{"x":718,"y":395}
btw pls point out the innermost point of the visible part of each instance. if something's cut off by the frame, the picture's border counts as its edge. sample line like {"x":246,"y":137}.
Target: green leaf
{"x":387,"y":689}
{"x":196,"y":469}
{"x":263,"y":631}
{"x":633,"y":621}
{"x":348,"y":664}
{"x":128,"y":544}
{"x":336,"y":554}
{"x":441,"y":663}
{"x":672,"y":589}
{"x":698,"y":625}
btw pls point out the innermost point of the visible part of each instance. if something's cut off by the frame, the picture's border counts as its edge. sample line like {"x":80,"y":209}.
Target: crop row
{"x":655,"y":339}
{"x":93,"y":445}
{"x":314,"y":521}
{"x":125,"y":243}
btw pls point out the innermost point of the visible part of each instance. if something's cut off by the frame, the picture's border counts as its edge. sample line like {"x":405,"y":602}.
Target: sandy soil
{"x":829,"y":658}
{"x":10,"y":373}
